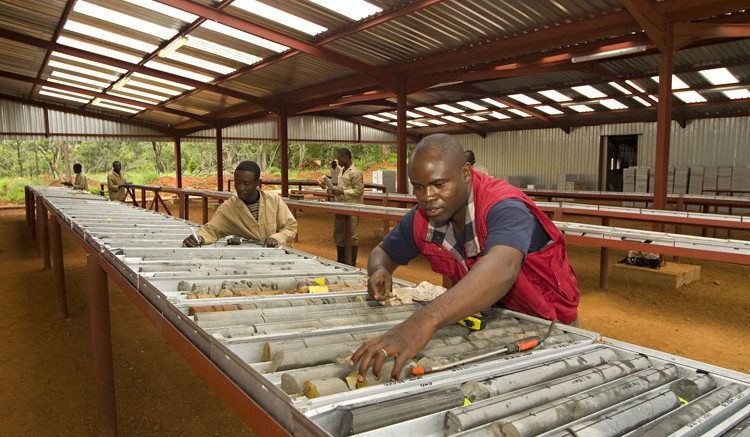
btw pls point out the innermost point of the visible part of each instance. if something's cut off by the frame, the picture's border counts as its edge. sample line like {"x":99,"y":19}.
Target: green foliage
{"x":24,"y":160}
{"x":145,"y":177}
{"x":12,"y":188}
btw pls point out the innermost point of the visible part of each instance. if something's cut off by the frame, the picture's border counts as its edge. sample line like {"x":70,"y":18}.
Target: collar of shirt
{"x":445,"y":236}
{"x":250,"y":203}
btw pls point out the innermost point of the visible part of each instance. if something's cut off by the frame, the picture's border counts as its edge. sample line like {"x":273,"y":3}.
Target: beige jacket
{"x":351,"y":182}
{"x":80,"y":182}
{"x":116,"y":192}
{"x":234,"y":218}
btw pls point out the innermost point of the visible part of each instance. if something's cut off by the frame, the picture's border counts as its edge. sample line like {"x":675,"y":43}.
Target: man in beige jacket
{"x":350,"y":189}
{"x":253,"y":214}
{"x":80,"y":182}
{"x":116,"y":183}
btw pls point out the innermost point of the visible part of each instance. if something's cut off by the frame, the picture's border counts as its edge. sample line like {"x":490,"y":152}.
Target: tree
{"x":51,"y":152}
{"x":19,"y":147}
{"x":158,"y":163}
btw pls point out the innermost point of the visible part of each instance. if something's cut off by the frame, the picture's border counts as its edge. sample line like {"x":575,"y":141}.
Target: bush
{"x":12,"y":188}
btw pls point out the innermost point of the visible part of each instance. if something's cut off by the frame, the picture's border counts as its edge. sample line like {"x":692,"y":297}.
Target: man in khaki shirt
{"x":252,"y":214}
{"x":80,"y":182}
{"x":116,"y":183}
{"x":350,"y":189}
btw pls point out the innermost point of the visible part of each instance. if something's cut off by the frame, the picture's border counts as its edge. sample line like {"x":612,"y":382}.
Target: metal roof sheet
{"x":443,"y":51}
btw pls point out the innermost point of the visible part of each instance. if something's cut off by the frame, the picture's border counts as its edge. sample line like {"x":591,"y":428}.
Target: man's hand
{"x":271,"y":242}
{"x":191,"y":241}
{"x":402,"y":342}
{"x":380,"y":284}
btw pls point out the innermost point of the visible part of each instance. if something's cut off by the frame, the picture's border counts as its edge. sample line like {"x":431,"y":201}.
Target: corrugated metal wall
{"x":90,"y":128}
{"x":16,"y":117}
{"x":541,"y":155}
{"x":537,"y":155}
{"x":306,"y":127}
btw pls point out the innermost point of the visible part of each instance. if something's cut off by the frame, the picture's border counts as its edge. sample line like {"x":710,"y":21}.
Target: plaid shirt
{"x":445,"y":235}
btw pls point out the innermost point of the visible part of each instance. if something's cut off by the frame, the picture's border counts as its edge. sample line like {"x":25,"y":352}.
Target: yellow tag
{"x":320,"y":281}
{"x":318,"y":289}
{"x":473,"y":323}
{"x":467,"y":401}
{"x":682,"y":401}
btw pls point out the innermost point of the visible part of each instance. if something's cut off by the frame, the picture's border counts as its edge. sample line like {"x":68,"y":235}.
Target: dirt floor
{"x":46,"y":384}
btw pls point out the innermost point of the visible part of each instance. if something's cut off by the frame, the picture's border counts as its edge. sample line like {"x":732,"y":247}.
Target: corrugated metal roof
{"x":445,"y":51}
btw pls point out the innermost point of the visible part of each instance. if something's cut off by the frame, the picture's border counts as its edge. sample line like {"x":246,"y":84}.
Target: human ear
{"x":466,"y":172}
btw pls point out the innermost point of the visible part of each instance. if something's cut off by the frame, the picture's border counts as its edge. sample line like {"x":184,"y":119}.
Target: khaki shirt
{"x":81,"y":183}
{"x":116,"y":192}
{"x":233,"y":217}
{"x":335,"y":172}
{"x":351,"y":182}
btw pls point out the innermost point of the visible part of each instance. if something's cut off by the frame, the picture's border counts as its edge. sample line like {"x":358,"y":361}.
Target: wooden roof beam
{"x":651,"y":20}
{"x":686,"y":33}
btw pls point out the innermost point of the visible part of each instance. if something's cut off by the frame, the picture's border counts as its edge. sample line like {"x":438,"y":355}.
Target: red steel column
{"x":663,"y":121}
{"x":178,"y":161}
{"x":283,"y":135}
{"x":219,"y":160}
{"x":101,"y":339}
{"x":401,"y":137}
{"x":55,"y":240}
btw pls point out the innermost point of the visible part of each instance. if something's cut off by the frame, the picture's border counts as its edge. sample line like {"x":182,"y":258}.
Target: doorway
{"x":618,"y":153}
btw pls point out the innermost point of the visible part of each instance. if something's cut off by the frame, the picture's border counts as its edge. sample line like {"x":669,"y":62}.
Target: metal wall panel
{"x":260,"y":130}
{"x":85,"y":127}
{"x":16,"y":117}
{"x":304,"y":127}
{"x":541,"y":155}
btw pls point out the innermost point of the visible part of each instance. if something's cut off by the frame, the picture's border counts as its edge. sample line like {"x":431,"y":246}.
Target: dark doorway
{"x":618,"y":153}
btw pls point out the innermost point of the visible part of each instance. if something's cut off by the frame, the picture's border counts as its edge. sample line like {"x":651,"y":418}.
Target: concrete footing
{"x":672,"y":275}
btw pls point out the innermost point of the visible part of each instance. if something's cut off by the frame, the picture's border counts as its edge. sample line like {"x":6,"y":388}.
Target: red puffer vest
{"x":546,"y":286}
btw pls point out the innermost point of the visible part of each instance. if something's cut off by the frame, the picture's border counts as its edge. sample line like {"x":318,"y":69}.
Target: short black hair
{"x":446,"y":146}
{"x":250,"y":166}
{"x":470,"y":158}
{"x":346,"y":152}
{"x":77,"y":167}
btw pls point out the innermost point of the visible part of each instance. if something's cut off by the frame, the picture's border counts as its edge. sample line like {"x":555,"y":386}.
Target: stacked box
{"x":389,"y":180}
{"x":517,"y":181}
{"x":670,"y":180}
{"x":724,"y":179}
{"x":710,"y":178}
{"x":681,"y":180}
{"x":739,"y":177}
{"x":642,"y":179}
{"x":386,"y":178}
{"x":695,"y":185}
{"x":628,"y":180}
{"x":652,"y":180}
{"x":563,"y":182}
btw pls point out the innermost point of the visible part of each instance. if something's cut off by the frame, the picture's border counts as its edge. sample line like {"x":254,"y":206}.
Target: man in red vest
{"x":487,"y":236}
